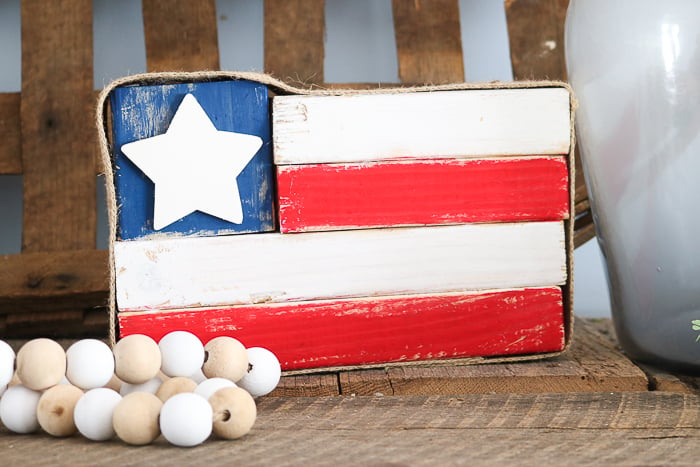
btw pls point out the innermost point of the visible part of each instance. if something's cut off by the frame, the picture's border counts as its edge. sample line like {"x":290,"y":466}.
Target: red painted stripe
{"x":446,"y":191}
{"x":362,"y":331}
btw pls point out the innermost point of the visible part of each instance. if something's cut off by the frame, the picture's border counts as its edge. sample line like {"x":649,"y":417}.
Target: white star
{"x":194,"y":166}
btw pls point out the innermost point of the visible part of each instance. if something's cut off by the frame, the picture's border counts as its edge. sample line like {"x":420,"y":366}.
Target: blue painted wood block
{"x":140,"y":112}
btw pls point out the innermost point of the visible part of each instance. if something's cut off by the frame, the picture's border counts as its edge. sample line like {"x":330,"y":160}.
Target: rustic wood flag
{"x":405,"y":226}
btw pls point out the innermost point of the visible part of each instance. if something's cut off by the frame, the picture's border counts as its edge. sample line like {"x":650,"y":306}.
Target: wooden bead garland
{"x":40,"y":395}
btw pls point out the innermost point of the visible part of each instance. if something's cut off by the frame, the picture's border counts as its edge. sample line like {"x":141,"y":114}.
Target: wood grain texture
{"x":294,"y":40}
{"x":317,"y":197}
{"x":273,"y":267}
{"x":536,"y":35}
{"x":367,"y":331}
{"x":644,"y":428}
{"x":58,"y":134}
{"x":428,"y":41}
{"x":10,"y":127}
{"x":52,"y":293}
{"x":459,"y":124}
{"x":316,"y":385}
{"x":181,"y":35}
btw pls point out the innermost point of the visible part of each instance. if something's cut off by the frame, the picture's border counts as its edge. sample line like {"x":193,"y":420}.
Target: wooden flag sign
{"x":379,"y":228}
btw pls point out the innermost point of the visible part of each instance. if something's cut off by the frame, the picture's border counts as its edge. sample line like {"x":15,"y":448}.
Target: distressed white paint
{"x":230,"y":270}
{"x":471,"y":123}
{"x":194,"y":166}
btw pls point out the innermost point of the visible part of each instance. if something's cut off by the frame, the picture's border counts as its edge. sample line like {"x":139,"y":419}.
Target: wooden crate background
{"x":58,"y":284}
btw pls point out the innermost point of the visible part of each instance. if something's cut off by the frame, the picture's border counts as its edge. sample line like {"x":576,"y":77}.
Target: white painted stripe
{"x":471,"y":123}
{"x":230,"y":270}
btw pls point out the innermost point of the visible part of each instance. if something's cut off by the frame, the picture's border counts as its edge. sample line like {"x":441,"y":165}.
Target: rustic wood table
{"x":589,"y":406}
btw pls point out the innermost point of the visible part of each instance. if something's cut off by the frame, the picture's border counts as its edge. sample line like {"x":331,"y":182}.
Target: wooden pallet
{"x":58,"y":284}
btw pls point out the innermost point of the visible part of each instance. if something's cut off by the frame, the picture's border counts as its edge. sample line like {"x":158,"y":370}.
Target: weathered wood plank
{"x":146,"y":115}
{"x":316,"y":385}
{"x":536,"y":36}
{"x":58,"y":135}
{"x":294,"y":40}
{"x":371,"y":382}
{"x":64,"y":273}
{"x":316,"y":197}
{"x":428,"y":41}
{"x":592,"y":364}
{"x":11,"y":146}
{"x":548,"y":429}
{"x":377,"y":330}
{"x":460,"y":124}
{"x":274,"y":267}
{"x":181,"y":35}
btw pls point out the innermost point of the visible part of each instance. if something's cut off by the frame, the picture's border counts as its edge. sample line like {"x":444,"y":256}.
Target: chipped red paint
{"x":328,"y":333}
{"x":442,"y":191}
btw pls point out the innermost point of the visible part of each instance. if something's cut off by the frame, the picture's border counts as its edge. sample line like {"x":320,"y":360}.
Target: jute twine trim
{"x":280,"y":87}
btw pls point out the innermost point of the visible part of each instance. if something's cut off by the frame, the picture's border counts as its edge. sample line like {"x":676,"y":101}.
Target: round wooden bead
{"x":151,"y":386}
{"x":234,"y":412}
{"x":135,"y":418}
{"x":18,"y":409}
{"x":41,"y":363}
{"x":93,"y":413}
{"x":183,"y":353}
{"x":186,"y":419}
{"x":225,"y":357}
{"x":176,"y":385}
{"x":137,"y":358}
{"x":7,"y":363}
{"x":209,"y":386}
{"x":264,"y":372}
{"x":55,"y":409}
{"x":89,"y":364}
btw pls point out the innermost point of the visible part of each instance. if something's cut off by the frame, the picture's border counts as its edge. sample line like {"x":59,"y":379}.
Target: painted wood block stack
{"x":346,"y":230}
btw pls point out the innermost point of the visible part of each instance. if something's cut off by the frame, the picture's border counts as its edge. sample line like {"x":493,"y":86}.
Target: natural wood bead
{"x":136,"y":359}
{"x":234,"y":412}
{"x":135,"y":418}
{"x":176,"y":385}
{"x":55,"y":409}
{"x":41,"y":363}
{"x":225,"y":357}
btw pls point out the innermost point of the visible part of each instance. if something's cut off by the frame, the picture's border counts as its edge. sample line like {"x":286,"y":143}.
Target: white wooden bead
{"x":93,"y":413}
{"x":89,"y":363}
{"x":176,"y":385}
{"x":151,"y":386}
{"x":234,"y":412}
{"x":41,"y":363}
{"x":135,"y":418}
{"x":198,"y":376}
{"x":55,"y":409}
{"x":182,"y":352}
{"x":225,"y":357}
{"x":264,"y":372}
{"x":7,"y":363}
{"x":186,"y":419}
{"x":136,"y":358}
{"x":18,"y":409}
{"x":209,"y":386}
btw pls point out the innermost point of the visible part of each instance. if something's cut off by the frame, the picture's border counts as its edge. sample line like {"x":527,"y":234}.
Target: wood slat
{"x":55,"y":274}
{"x":11,"y":145}
{"x":592,"y":364}
{"x":181,"y":35}
{"x":294,"y":40}
{"x":493,"y":429}
{"x":536,"y":35}
{"x":58,"y":134}
{"x":428,"y":41}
